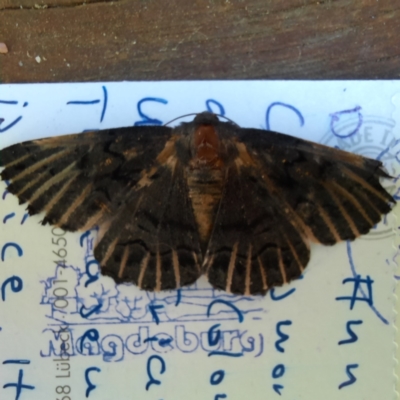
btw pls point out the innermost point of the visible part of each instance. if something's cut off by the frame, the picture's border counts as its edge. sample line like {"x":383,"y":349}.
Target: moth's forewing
{"x":128,"y":181}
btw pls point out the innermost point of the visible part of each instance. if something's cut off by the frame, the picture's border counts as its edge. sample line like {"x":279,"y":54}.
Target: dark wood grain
{"x":180,"y":39}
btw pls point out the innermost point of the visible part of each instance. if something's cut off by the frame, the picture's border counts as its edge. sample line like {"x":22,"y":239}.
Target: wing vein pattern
{"x":168,"y":209}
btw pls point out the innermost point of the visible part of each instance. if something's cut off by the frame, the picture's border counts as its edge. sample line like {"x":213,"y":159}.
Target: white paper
{"x":299,"y":342}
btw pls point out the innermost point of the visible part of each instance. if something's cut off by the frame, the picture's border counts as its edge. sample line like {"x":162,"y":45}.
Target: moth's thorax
{"x":206,"y":144}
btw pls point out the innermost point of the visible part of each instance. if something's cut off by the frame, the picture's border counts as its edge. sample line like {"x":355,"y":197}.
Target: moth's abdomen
{"x":205,"y":192}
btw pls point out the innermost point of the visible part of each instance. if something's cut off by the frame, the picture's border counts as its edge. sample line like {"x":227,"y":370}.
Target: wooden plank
{"x":214,"y":39}
{"x":42,"y":4}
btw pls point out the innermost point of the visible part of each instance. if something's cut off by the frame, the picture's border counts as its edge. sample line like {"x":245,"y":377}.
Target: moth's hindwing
{"x":153,"y":241}
{"x":280,"y":193}
{"x":255,"y":245}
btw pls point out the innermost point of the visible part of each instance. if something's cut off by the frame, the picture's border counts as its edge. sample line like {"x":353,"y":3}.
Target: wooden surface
{"x":65,"y":40}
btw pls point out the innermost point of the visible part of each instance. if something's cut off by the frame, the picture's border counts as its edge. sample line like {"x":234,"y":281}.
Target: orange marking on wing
{"x":350,"y":197}
{"x":87,"y":138}
{"x":208,"y":261}
{"x":17,"y":161}
{"x":196,"y":260}
{"x":62,"y":175}
{"x":329,"y":223}
{"x":123,"y":261}
{"x":248,"y":272}
{"x":294,"y":252}
{"x":365,"y":184}
{"x":263,"y":274}
{"x":304,"y":231}
{"x":129,"y":154}
{"x":30,"y":184}
{"x":109,"y":251}
{"x":244,"y":158}
{"x":41,"y":163}
{"x":143,"y":267}
{"x":175,"y":263}
{"x":103,"y":229}
{"x":168,"y":150}
{"x":372,"y":205}
{"x":75,"y":204}
{"x":56,"y":198}
{"x":92,"y":221}
{"x":231,"y":268}
{"x":281,"y":266}
{"x":343,"y":211}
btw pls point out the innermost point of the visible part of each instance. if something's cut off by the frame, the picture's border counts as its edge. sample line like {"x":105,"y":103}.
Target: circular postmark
{"x":373,"y":137}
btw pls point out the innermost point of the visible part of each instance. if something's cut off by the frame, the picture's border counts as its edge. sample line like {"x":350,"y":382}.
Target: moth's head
{"x":205,"y":141}
{"x":206,"y":118}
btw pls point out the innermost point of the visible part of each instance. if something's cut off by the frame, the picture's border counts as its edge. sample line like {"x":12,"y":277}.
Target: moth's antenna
{"x":188,"y":115}
{"x":228,"y":119}
{"x":182,"y":116}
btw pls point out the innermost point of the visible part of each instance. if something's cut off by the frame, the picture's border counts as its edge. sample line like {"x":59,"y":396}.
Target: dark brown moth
{"x":207,"y":197}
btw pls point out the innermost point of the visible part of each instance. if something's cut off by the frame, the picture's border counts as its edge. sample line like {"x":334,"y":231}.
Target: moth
{"x":207,"y":197}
